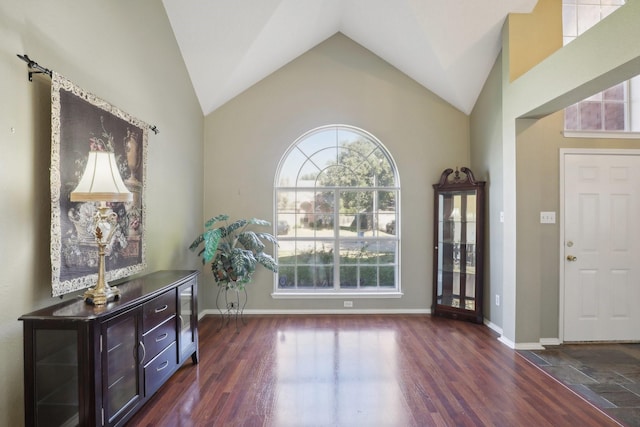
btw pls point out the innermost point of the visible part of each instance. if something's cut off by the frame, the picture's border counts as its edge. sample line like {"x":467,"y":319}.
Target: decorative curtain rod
{"x":33,"y":65}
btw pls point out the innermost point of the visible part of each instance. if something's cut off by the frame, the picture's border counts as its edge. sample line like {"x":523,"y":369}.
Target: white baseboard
{"x":263,"y":312}
{"x":520,"y":345}
{"x":550,"y":341}
{"x":495,"y":328}
{"x":506,"y":341}
{"x":529,"y":346}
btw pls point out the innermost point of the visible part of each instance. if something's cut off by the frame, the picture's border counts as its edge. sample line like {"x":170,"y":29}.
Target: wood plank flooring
{"x":361,"y":370}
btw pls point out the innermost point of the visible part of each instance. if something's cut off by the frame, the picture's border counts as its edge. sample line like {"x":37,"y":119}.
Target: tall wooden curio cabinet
{"x":458,"y":246}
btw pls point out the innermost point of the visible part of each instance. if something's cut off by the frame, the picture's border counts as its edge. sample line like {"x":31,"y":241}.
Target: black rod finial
{"x":33,"y":65}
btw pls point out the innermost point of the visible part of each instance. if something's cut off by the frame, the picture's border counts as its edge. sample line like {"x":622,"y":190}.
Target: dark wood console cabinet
{"x":96,"y":366}
{"x":458,"y":246}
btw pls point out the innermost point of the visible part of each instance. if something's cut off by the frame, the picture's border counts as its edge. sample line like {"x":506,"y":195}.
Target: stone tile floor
{"x":607,"y":375}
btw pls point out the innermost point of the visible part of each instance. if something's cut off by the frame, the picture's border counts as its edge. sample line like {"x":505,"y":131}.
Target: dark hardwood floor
{"x":361,"y":370}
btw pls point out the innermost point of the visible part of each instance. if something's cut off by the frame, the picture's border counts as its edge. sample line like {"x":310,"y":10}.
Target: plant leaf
{"x":235,"y":225}
{"x":250,"y":241}
{"x":221,"y":217}
{"x":268,"y":237}
{"x":211,"y":239}
{"x":260,"y":222}
{"x":267,"y":261}
{"x":243,"y":263}
{"x":196,"y":243}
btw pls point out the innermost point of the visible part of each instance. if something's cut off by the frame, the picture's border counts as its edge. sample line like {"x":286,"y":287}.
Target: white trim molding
{"x":600,"y":134}
{"x":520,"y":345}
{"x":335,"y":295}
{"x":266,"y":312}
{"x":495,"y":328}
{"x":550,"y":341}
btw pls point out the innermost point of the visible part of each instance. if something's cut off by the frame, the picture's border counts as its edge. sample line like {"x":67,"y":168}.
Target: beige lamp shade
{"x":101,"y":181}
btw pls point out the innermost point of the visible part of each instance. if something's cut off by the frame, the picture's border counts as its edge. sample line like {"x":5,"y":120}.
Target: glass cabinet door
{"x":457,"y":283}
{"x":188,"y":321}
{"x":56,"y":377}
{"x":121,"y":365}
{"x":456,"y":254}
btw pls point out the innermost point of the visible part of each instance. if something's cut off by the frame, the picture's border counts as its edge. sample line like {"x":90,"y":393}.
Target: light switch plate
{"x":547,"y":217}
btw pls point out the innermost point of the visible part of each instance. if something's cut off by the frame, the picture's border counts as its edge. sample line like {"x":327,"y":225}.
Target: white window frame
{"x":630,"y":126}
{"x":336,"y":238}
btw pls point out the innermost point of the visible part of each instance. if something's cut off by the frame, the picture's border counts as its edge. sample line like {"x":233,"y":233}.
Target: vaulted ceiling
{"x":448,"y":46}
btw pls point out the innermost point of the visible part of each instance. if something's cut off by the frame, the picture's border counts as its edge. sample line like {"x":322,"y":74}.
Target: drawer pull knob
{"x":144,"y":352}
{"x":161,"y":337}
{"x":162,"y":366}
{"x":161,"y":309}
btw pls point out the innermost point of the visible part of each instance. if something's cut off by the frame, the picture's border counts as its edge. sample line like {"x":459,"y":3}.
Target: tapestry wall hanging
{"x":80,"y":122}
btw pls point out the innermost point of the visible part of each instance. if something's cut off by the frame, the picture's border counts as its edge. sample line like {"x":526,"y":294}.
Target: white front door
{"x":601,"y":246}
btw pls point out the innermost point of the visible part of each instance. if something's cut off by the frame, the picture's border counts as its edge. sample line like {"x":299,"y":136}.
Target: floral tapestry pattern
{"x":82,"y":122}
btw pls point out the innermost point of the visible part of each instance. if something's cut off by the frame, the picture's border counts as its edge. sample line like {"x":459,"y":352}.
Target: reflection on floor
{"x":607,"y":375}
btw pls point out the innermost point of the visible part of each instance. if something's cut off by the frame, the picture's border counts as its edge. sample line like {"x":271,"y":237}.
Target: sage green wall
{"x":486,"y":162}
{"x":539,"y":264}
{"x":124,"y":52}
{"x":604,"y":55}
{"x":520,"y":159}
{"x":336,"y":82}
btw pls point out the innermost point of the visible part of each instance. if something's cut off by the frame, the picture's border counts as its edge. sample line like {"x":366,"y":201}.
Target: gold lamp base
{"x":102,"y":293}
{"x":96,"y":296}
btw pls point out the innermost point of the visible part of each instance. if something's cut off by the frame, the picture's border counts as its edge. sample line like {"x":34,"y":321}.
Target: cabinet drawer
{"x":157,"y":339}
{"x":158,"y":310}
{"x":159,"y":369}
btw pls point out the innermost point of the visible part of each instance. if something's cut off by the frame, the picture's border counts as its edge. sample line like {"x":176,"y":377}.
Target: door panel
{"x":601,"y":207}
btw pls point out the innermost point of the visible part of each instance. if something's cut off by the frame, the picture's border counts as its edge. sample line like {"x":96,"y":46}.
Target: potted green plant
{"x":234,"y":249}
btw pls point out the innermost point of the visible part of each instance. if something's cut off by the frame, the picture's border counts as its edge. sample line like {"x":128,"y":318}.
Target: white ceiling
{"x":448,"y":46}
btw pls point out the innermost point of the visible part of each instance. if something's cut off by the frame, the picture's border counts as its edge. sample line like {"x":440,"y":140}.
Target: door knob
{"x":571,"y":258}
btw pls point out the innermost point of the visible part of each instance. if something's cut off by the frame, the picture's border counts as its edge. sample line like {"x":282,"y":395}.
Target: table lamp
{"x":101,"y":182}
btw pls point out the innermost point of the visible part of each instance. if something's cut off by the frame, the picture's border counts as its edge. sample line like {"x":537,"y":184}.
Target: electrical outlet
{"x":497,"y":300}
{"x":348,"y":304}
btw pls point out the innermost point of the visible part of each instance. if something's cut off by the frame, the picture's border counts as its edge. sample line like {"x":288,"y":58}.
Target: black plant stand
{"x":230,"y":302}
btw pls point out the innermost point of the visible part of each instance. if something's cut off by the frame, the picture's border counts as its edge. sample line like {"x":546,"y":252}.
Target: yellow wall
{"x":534,"y":36}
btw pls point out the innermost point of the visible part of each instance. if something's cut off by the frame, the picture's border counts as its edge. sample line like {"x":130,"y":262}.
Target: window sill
{"x":600,"y":134}
{"x":334,"y":295}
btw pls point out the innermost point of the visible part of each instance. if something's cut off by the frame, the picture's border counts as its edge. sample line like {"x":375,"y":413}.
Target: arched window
{"x":337,"y":196}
